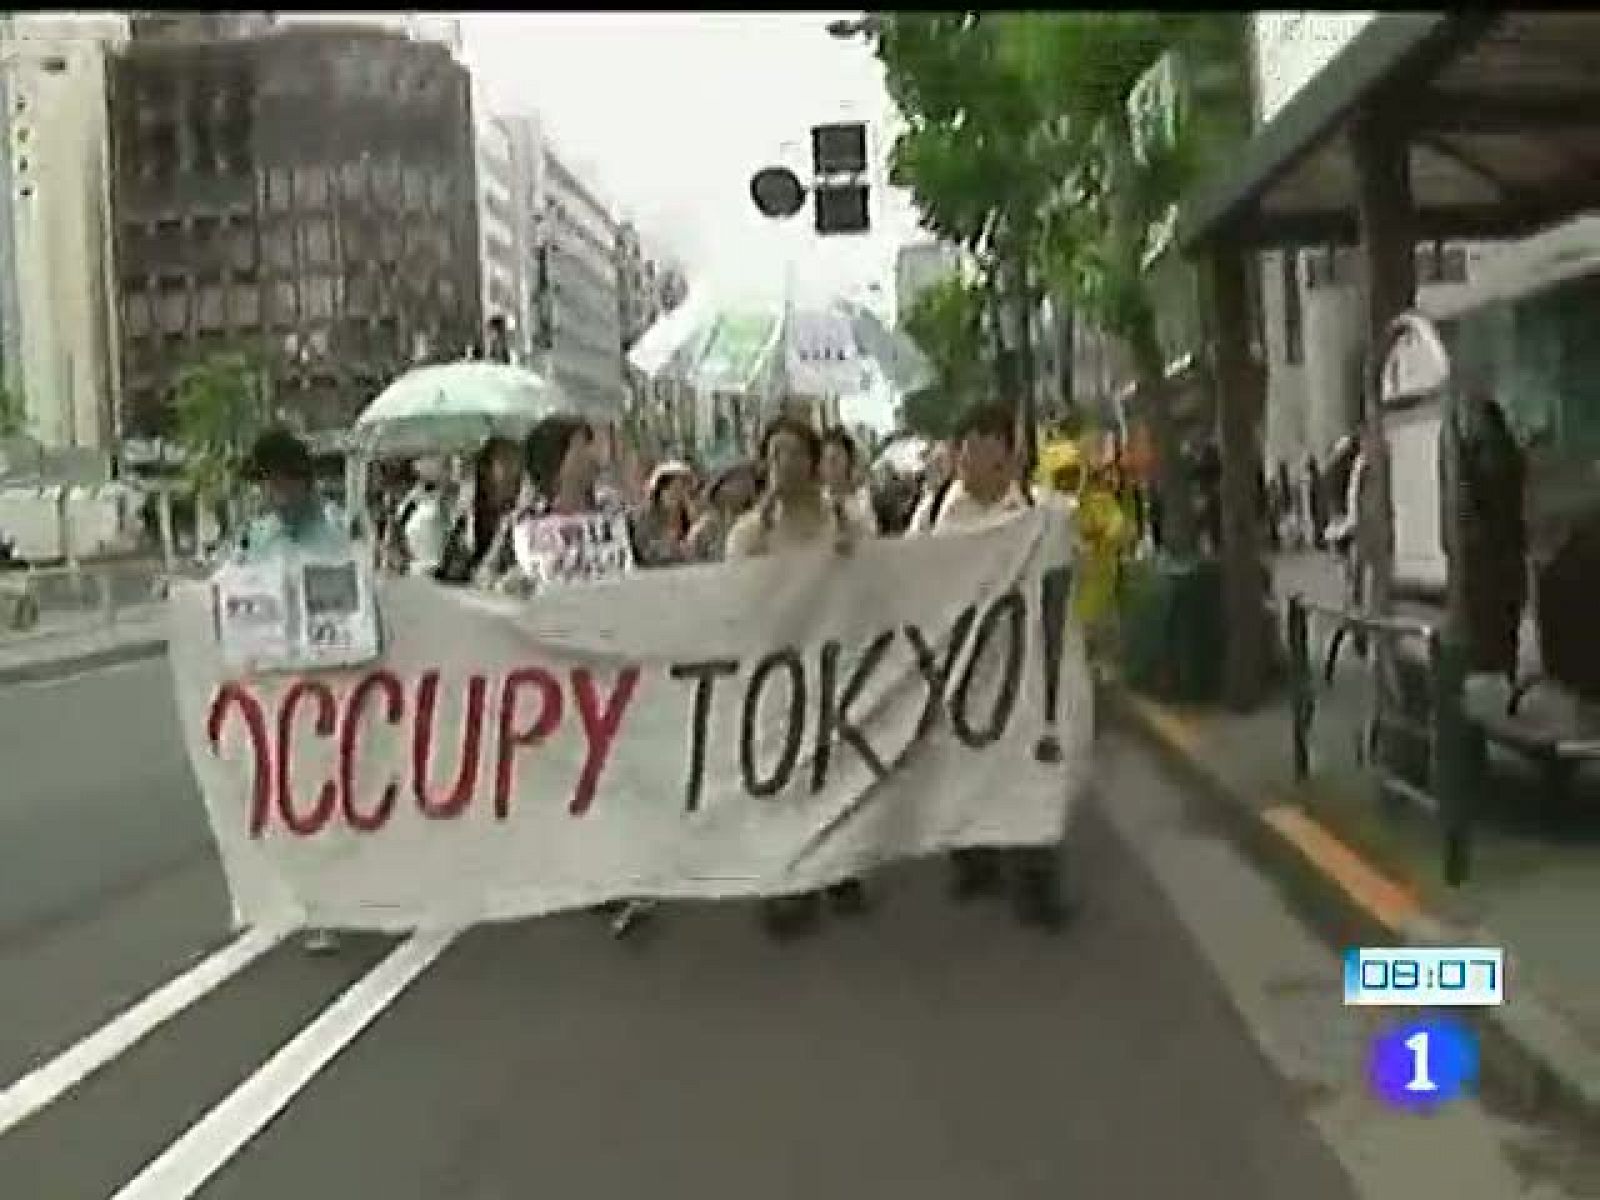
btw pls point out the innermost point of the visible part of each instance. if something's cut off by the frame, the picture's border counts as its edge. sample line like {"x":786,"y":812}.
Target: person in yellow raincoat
{"x":1105,"y":535}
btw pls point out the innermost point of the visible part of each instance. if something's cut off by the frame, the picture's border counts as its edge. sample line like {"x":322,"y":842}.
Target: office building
{"x":57,"y":320}
{"x":306,"y":193}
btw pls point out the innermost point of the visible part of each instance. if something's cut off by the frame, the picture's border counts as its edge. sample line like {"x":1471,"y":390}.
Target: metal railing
{"x":1452,"y":762}
{"x":41,"y":602}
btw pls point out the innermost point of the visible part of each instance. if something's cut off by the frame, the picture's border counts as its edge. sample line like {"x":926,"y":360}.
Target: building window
{"x":241,"y":247}
{"x":1293,"y":324}
{"x":279,"y":198}
{"x":212,"y":315}
{"x":354,"y":180}
{"x":136,"y":314}
{"x":317,"y":242}
{"x":279,"y":245}
{"x":244,"y":306}
{"x":174,"y":308}
{"x":282,"y":309}
{"x":311,"y":187}
{"x":318,"y":297}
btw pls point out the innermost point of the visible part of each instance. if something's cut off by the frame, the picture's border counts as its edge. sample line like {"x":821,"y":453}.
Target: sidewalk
{"x":1372,"y":872}
{"x":65,"y":644}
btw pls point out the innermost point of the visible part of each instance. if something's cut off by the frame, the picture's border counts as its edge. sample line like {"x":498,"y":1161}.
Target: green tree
{"x":1107,"y":228}
{"x":946,"y":322}
{"x":971,"y":117}
{"x":218,"y":410}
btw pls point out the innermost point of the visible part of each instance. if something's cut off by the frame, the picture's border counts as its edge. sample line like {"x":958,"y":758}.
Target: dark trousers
{"x":988,"y":867}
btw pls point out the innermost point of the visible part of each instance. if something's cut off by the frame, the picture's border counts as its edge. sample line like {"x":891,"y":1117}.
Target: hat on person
{"x":670,"y":469}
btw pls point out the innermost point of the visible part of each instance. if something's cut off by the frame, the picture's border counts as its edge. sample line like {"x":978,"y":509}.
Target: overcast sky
{"x":668,"y":114}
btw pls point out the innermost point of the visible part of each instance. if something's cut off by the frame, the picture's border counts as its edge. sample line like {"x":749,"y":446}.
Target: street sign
{"x":841,"y":208}
{"x":839,"y":148}
{"x":777,"y":192}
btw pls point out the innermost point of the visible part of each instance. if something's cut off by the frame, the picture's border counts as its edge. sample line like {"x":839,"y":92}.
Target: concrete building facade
{"x":500,"y":264}
{"x":57,"y":320}
{"x":584,"y":331}
{"x":306,"y":193}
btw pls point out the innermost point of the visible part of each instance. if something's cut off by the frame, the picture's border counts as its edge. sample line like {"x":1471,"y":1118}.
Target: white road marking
{"x":49,"y":1082}
{"x":183,"y":1168}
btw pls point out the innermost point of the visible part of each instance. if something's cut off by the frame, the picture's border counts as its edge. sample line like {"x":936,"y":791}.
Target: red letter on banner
{"x":232,"y":696}
{"x":349,"y":738}
{"x":422,"y":737}
{"x":512,"y":737}
{"x":600,"y":724}
{"x":327,"y":794}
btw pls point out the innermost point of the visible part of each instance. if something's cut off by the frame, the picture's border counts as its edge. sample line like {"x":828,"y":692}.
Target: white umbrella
{"x":453,"y":407}
{"x":904,"y":455}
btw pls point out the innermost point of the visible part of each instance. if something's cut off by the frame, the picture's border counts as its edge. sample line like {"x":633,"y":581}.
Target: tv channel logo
{"x":1424,"y":1063}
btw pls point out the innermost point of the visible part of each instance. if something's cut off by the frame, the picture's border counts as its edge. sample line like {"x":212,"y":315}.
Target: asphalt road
{"x":1183,"y":1039}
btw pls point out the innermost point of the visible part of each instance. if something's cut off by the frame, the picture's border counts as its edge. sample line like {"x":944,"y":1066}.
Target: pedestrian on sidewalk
{"x":986,"y":488}
{"x":794,"y":514}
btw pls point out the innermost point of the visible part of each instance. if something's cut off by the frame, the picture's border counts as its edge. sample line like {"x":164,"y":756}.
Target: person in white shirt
{"x":986,"y":488}
{"x":796,"y":513}
{"x":839,"y":477}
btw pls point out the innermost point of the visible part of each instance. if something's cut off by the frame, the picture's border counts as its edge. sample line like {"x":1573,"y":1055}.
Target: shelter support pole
{"x":1387,"y":222}
{"x":1240,"y":382}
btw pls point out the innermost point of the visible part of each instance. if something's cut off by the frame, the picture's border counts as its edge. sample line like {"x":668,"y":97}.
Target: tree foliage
{"x":946,"y":322}
{"x":218,"y":411}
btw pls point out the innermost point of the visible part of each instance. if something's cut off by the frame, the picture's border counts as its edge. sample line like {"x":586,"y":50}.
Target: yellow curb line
{"x":1379,"y":898}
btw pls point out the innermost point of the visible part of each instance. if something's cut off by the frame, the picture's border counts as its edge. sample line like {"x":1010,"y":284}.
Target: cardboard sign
{"x":573,"y":549}
{"x":295,"y":614}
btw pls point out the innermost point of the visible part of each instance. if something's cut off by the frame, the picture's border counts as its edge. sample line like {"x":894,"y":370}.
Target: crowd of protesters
{"x":805,"y":488}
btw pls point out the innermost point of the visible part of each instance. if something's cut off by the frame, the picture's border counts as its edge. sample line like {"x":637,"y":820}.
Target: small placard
{"x":296,"y":614}
{"x":573,"y":549}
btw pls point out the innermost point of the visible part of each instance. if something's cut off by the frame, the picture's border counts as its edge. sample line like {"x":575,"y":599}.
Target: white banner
{"x":756,"y":728}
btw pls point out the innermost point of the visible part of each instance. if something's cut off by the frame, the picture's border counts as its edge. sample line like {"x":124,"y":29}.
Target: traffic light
{"x":841,"y":208}
{"x":839,"y":148}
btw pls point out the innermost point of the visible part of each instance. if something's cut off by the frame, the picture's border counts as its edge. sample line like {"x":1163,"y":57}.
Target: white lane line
{"x":47,"y":1083}
{"x":183,"y":1168}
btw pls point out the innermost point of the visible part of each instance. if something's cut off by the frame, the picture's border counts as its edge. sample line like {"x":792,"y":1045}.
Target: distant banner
{"x":731,"y":730}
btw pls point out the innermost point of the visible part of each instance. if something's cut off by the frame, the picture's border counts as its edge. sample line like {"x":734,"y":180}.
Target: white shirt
{"x":858,"y":508}
{"x":961,"y":511}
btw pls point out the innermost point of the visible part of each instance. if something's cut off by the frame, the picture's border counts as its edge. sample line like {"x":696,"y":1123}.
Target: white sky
{"x":667,"y":115}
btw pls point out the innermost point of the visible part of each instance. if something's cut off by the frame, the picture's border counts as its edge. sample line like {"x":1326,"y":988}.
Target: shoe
{"x":977,"y":873}
{"x":630,"y":916}
{"x":849,"y":898}
{"x":787,"y":917}
{"x":1039,"y":904}
{"x":320,"y":941}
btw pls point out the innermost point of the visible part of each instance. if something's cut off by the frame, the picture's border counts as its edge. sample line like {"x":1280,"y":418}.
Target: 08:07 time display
{"x":1435,"y":976}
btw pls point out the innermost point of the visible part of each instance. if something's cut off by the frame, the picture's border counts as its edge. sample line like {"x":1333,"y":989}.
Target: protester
{"x":660,"y":526}
{"x":986,"y":488}
{"x":415,"y":537}
{"x":563,"y":468}
{"x":1105,"y":535}
{"x":729,"y":495}
{"x":478,"y":548}
{"x":296,"y":520}
{"x":796,"y":513}
{"x":296,"y":524}
{"x":839,"y":473}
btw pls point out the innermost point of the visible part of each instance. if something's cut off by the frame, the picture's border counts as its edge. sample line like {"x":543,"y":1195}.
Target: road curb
{"x":1531,"y":1054}
{"x":45,"y":670}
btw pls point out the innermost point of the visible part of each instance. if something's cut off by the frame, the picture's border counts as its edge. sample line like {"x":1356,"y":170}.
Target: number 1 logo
{"x":1424,"y":1063}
